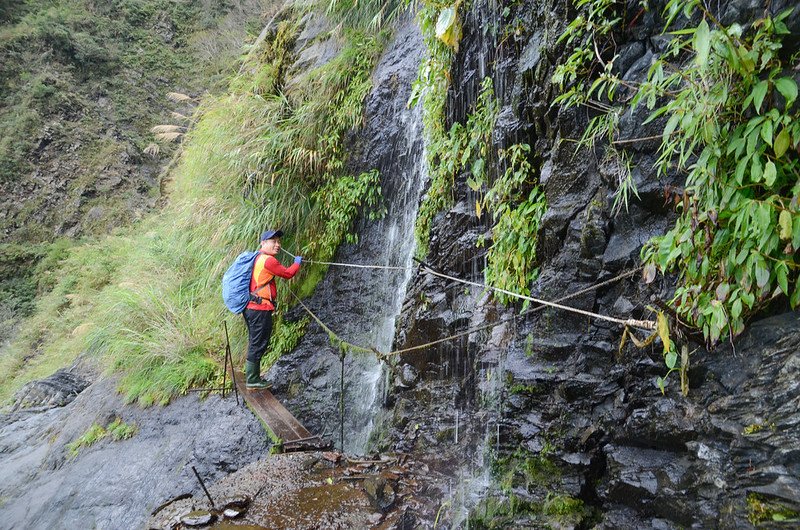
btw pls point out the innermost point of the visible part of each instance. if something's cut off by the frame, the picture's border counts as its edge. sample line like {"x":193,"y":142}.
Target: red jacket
{"x":265,"y":269}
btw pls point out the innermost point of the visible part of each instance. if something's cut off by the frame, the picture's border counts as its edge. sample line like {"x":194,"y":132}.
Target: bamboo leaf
{"x":702,"y":42}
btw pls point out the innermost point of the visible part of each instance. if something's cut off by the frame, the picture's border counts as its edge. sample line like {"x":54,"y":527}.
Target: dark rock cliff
{"x":551,"y":385}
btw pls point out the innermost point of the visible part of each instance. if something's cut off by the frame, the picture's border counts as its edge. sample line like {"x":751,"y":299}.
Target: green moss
{"x":538,"y":477}
{"x":519,"y":388}
{"x":761,"y":509}
{"x":119,"y":430}
{"x":565,"y":509}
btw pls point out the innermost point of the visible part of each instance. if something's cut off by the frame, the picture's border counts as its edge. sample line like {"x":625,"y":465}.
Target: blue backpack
{"x":236,"y":282}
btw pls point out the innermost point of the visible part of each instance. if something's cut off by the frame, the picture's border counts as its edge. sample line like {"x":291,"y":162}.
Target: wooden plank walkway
{"x":279,"y":420}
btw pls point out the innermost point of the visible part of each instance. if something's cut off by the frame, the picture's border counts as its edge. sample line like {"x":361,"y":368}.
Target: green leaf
{"x":473,"y":184}
{"x":762,"y":274}
{"x":477,"y":168}
{"x":670,"y":127}
{"x":788,"y":89}
{"x":661,"y":385}
{"x":702,"y":42}
{"x":722,"y":291}
{"x":671,"y":359}
{"x":782,"y":142}
{"x":448,"y":29}
{"x":770,"y":173}
{"x":785,"y":222}
{"x":736,"y":308}
{"x":445,"y":21}
{"x":759,"y":92}
{"x":741,"y":167}
{"x":749,"y":299}
{"x":796,"y":234}
{"x":756,"y":171}
{"x":782,"y":273}
{"x":766,"y":132}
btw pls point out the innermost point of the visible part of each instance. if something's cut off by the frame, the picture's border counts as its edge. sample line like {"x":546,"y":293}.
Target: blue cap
{"x":269,"y":234}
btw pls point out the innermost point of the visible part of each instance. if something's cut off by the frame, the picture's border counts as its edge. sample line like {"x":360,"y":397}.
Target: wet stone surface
{"x":308,"y":491}
{"x":116,"y":484}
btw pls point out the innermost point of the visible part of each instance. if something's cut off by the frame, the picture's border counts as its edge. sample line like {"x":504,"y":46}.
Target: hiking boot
{"x":252,"y":379}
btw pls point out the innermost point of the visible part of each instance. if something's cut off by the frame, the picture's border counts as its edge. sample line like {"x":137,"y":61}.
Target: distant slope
{"x":81,"y":84}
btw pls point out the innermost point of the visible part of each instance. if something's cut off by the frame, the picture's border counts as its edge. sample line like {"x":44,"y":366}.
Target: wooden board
{"x":280,"y":421}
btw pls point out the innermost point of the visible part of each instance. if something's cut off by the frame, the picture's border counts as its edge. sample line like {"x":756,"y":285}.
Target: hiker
{"x":263,"y":298}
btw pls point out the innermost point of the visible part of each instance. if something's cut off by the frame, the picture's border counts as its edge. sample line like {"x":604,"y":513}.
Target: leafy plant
{"x":430,"y":87}
{"x":728,"y":104}
{"x":367,"y":14}
{"x":511,"y":260}
{"x":512,"y":198}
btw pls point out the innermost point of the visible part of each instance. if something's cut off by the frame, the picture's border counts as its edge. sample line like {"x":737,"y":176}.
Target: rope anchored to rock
{"x":643,"y":324}
{"x":344,"y":345}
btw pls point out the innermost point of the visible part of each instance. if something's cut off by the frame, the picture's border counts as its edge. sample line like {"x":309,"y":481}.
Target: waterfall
{"x":362,"y":305}
{"x":392,"y":241}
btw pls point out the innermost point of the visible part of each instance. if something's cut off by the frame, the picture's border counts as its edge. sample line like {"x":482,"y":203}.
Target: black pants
{"x":259,"y":331}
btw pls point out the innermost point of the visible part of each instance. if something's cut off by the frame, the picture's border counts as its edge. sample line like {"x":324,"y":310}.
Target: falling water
{"x":361,"y":305}
{"x":393,"y":237}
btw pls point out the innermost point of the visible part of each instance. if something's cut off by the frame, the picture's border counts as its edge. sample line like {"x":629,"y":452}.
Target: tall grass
{"x":146,"y":302}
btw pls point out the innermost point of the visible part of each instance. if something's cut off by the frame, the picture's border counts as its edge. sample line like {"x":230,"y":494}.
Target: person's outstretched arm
{"x":274,"y":266}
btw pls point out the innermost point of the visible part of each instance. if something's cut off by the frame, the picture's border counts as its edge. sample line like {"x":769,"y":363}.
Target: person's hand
{"x":298,"y":259}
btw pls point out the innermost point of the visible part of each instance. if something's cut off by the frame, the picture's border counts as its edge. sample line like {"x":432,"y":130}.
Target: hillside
{"x":81,"y":85}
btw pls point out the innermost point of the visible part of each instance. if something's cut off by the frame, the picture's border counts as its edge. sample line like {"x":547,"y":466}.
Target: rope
{"x":329,"y":331}
{"x":352,"y":265}
{"x":643,"y":324}
{"x":468,"y":331}
{"x":475,"y":329}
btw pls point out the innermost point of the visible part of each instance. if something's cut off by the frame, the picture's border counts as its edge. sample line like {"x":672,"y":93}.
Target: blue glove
{"x":298,"y":259}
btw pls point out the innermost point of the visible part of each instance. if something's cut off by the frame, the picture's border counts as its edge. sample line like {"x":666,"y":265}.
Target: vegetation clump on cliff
{"x":723,"y":99}
{"x":503,"y":181}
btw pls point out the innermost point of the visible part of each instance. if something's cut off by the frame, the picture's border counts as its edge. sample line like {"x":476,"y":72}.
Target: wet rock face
{"x":45,"y":482}
{"x":56,"y":390}
{"x":555,"y":384}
